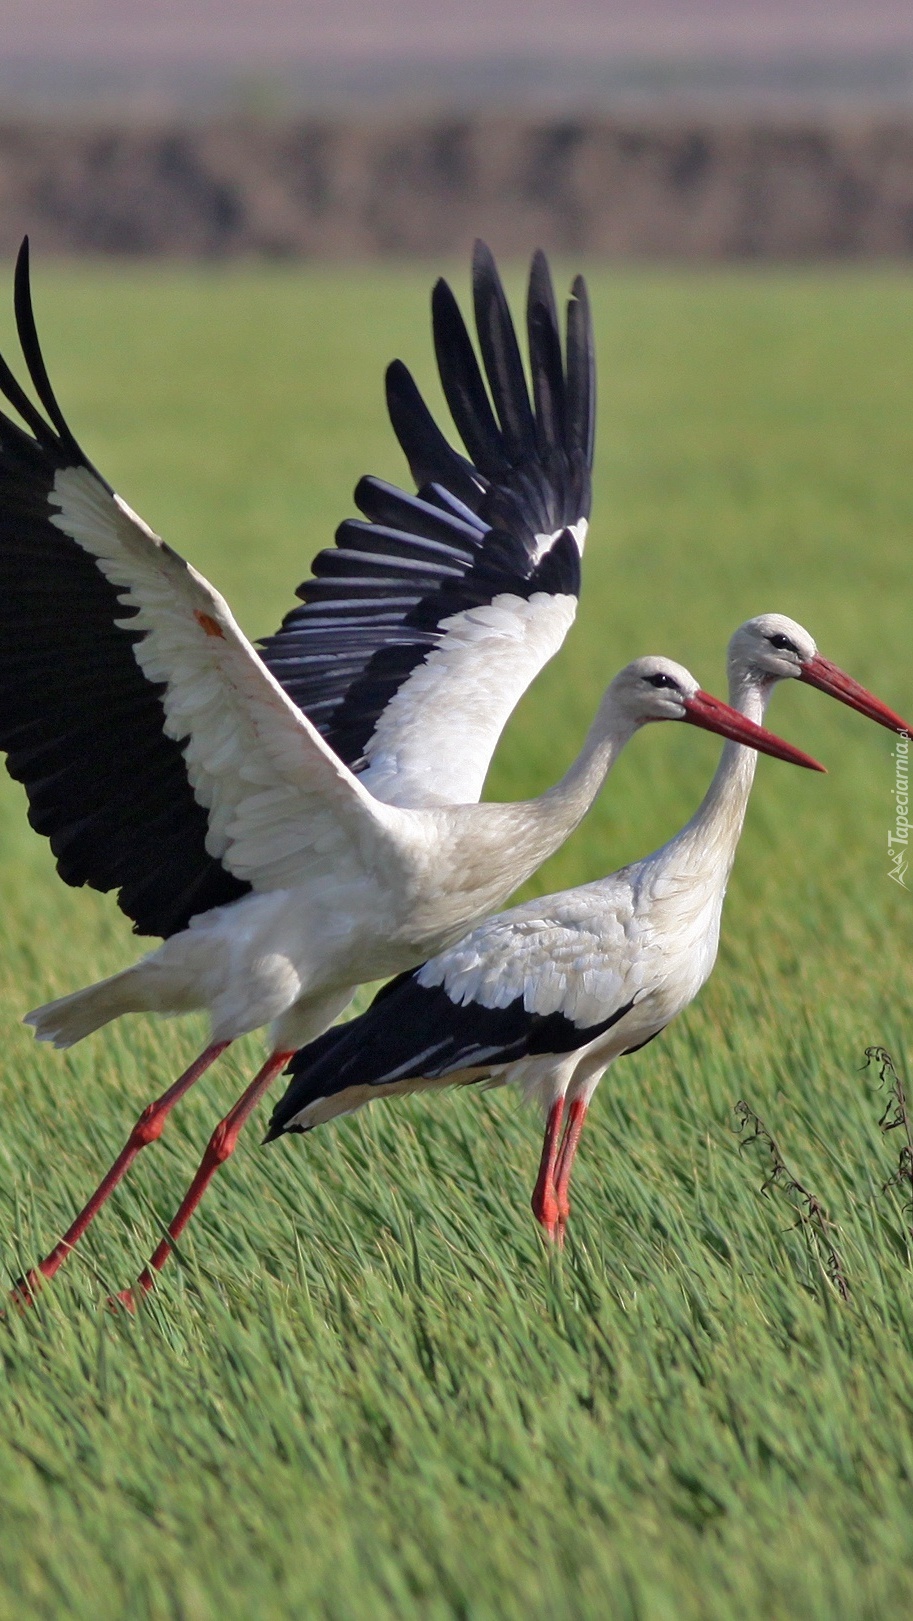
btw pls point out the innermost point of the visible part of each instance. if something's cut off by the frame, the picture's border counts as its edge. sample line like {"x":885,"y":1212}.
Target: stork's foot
{"x":26,"y":1289}
{"x":125,"y":1300}
{"x":130,"y":1298}
{"x":544,"y":1204}
{"x":545,"y":1198}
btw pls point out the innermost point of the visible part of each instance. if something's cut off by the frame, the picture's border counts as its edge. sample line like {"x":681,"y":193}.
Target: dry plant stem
{"x":896,"y":1117}
{"x":813,"y":1217}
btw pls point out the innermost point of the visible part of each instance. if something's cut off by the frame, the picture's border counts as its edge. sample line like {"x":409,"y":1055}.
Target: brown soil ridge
{"x":692,"y":189}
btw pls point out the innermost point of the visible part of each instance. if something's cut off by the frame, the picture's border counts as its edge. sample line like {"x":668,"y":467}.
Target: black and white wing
{"x":544,"y":978}
{"x":159,"y":755}
{"x":426,"y":622}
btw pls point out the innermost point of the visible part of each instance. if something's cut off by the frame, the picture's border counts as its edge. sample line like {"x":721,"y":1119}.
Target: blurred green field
{"x":366,"y":1391}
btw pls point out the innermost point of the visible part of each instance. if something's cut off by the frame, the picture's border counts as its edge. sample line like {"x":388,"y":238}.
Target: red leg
{"x":222,"y":1143}
{"x":576,"y":1117}
{"x":544,"y":1200}
{"x":148,"y":1129}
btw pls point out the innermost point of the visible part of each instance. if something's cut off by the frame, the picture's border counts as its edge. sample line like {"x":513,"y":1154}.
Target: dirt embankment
{"x":622,"y":188}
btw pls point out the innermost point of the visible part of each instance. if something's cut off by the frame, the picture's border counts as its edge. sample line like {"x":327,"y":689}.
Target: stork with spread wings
{"x":277,"y":815}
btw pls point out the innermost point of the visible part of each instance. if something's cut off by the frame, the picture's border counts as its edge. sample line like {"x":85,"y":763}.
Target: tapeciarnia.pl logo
{"x":900,"y":838}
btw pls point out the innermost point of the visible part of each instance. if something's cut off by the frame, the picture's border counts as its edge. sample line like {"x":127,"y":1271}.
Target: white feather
{"x":434,"y":741}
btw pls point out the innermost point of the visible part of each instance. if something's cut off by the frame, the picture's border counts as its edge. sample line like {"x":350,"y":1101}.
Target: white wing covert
{"x":547,"y":977}
{"x":277,"y":797}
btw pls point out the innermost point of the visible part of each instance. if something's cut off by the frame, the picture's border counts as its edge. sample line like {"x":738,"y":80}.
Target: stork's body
{"x":245,"y":803}
{"x":548,"y":995}
{"x":407,"y":885}
{"x":296,"y":819}
{"x":275,"y":964}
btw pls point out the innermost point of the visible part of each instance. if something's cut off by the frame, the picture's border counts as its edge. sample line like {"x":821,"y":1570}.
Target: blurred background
{"x":698,"y":129}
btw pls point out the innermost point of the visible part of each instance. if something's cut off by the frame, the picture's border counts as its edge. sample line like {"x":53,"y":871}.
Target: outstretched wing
{"x":159,"y":755}
{"x":544,"y":978}
{"x":426,"y":622}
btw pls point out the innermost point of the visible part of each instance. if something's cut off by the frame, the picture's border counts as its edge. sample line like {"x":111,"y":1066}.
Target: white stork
{"x":547,"y":995}
{"x":164,"y":756}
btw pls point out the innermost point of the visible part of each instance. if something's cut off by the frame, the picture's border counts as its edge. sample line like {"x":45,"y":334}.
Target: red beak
{"x":714,"y":716}
{"x":829,"y":678}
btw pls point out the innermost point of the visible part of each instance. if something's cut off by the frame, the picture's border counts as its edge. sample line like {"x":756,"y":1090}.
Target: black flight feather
{"x":431,"y":459}
{"x":413,"y":1031}
{"x":464,"y":388}
{"x":501,"y":354}
{"x":81,"y":724}
{"x":492,"y":517}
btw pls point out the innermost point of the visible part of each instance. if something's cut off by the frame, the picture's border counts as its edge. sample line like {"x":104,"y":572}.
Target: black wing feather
{"x":529,"y":478}
{"x":413,"y":1031}
{"x":464,"y":388}
{"x":81,"y":724}
{"x":431,"y":459}
{"x":546,"y":366}
{"x":501,"y":353}
{"x":34,"y":359}
{"x":581,"y":373}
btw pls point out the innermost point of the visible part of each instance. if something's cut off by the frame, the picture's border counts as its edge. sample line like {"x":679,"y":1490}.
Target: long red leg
{"x":148,"y":1129}
{"x":544,"y":1200}
{"x":222,"y":1143}
{"x":575,"y":1117}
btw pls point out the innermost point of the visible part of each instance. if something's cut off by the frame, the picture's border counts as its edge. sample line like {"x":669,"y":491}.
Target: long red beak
{"x":829,"y":678}
{"x":714,"y":716}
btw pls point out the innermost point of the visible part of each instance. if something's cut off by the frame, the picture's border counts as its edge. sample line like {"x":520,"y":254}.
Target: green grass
{"x":366,"y":1392}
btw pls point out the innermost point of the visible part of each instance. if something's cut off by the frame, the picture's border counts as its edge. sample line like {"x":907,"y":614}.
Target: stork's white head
{"x":652,"y":688}
{"x":771,"y":647}
{"x":657,"y":688}
{"x":774,"y":648}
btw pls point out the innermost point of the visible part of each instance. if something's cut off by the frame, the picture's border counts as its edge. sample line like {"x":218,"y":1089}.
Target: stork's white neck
{"x":493,"y":848}
{"x":714,"y":830}
{"x":564,"y":805}
{"x":507,"y":843}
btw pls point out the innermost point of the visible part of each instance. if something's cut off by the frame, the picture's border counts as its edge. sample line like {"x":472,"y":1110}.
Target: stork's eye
{"x":782,"y":643}
{"x":660,"y":680}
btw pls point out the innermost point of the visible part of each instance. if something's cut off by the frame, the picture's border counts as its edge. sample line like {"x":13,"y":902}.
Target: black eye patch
{"x":782,"y":643}
{"x":660,"y":680}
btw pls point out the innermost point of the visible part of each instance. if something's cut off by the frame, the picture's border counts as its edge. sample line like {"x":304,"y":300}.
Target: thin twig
{"x":896,"y":1117}
{"x":814,"y":1220}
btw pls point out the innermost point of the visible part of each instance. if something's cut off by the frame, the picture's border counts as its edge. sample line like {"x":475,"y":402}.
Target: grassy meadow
{"x":366,"y":1391}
